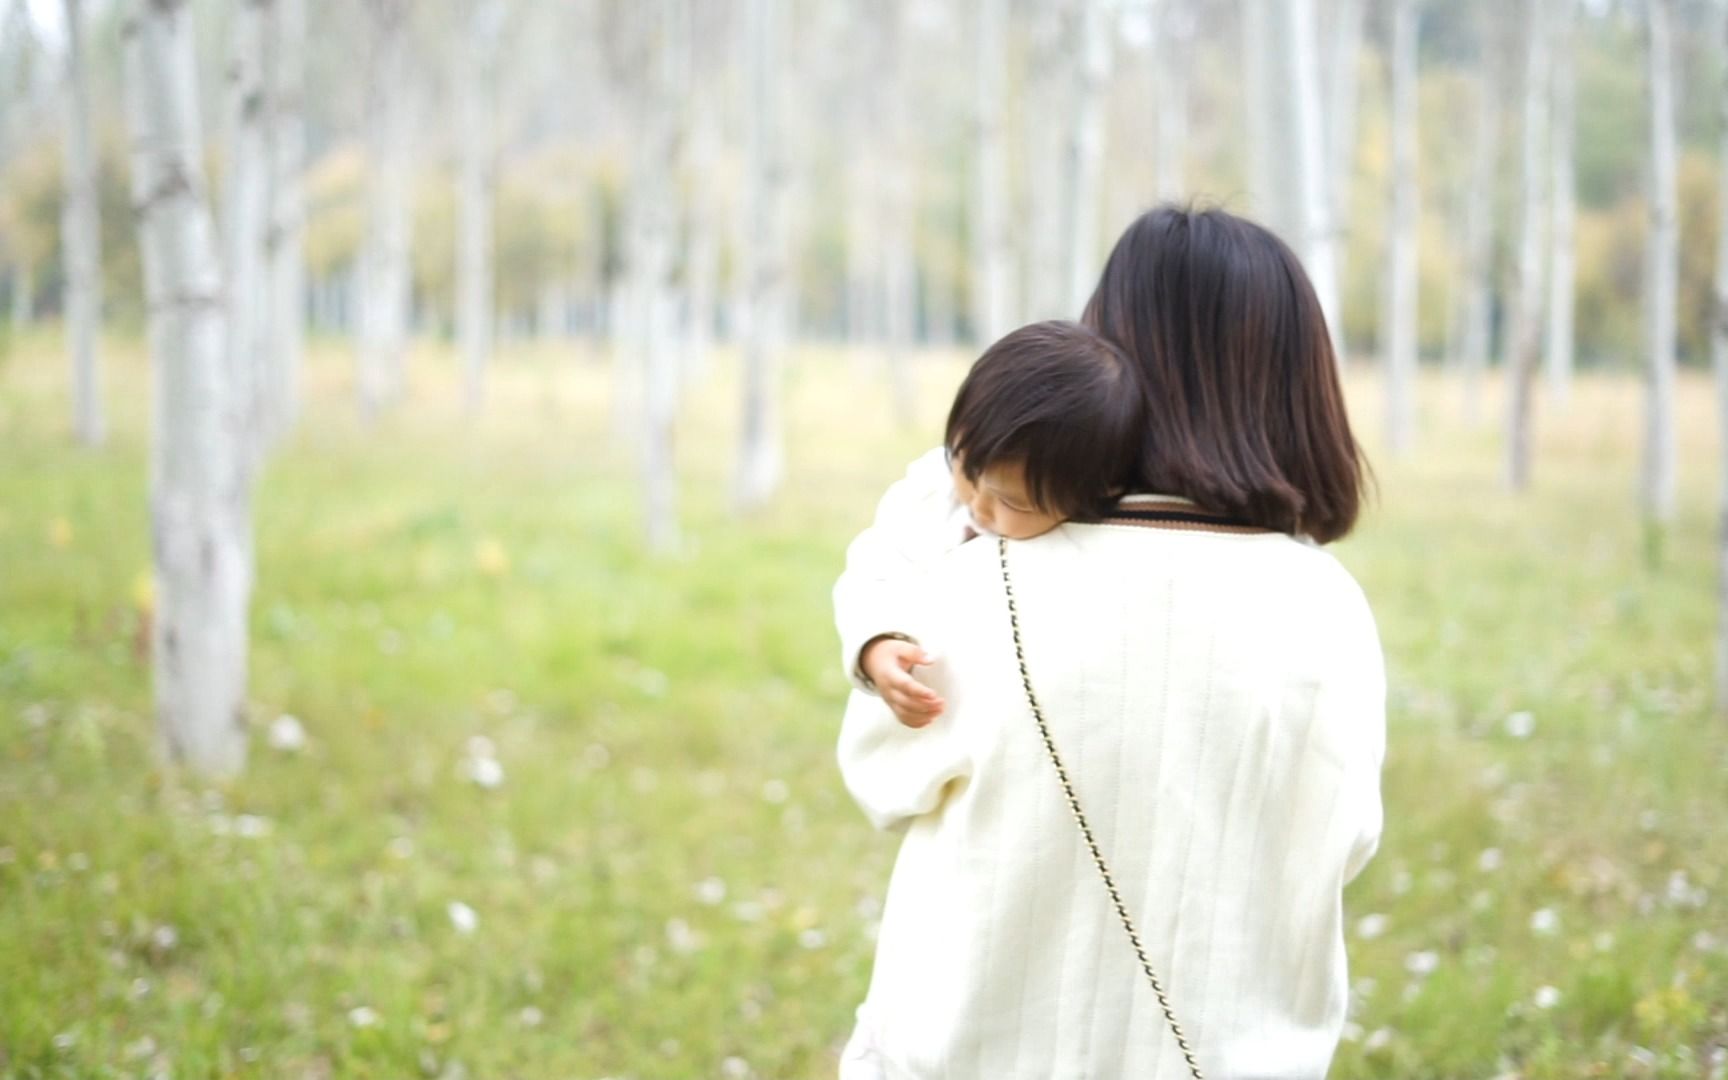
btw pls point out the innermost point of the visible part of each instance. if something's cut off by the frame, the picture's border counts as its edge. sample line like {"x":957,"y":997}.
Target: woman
{"x":1211,"y":679}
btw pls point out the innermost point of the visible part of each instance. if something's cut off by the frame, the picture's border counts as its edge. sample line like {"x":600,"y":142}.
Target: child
{"x":1043,"y":430}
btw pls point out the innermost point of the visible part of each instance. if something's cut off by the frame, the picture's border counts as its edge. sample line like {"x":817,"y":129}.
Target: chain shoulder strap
{"x":1080,"y":819}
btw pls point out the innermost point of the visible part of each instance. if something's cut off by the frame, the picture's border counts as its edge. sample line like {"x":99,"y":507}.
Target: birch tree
{"x":1048,"y":114}
{"x":1478,"y":255}
{"x":1298,"y":144}
{"x":898,"y":207}
{"x":285,"y":245}
{"x":654,"y":221}
{"x":1173,"y":49}
{"x":385,"y":281}
{"x":992,"y":238}
{"x":1562,"y":269}
{"x":81,"y":240}
{"x":200,"y":498}
{"x":1662,"y":268}
{"x":246,"y":219}
{"x":761,"y":453}
{"x":1525,"y":323}
{"x":1400,"y":319}
{"x":1084,"y":161}
{"x":476,"y":84}
{"x":1719,"y":357}
{"x":1342,"y":76}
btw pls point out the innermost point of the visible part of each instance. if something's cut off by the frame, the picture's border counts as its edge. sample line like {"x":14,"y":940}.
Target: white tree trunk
{"x":1562,"y":271}
{"x":1525,"y":324}
{"x":1172,"y":63}
{"x":1048,"y":116}
{"x":1662,"y":270}
{"x":81,"y":238}
{"x":1085,"y":150}
{"x":200,"y":490}
{"x":703,"y":256}
{"x":1478,"y":302}
{"x":661,"y":149}
{"x":1258,"y":104}
{"x":246,"y":220}
{"x":899,"y":210}
{"x":385,"y":280}
{"x":285,"y":253}
{"x":1400,"y":320}
{"x":761,"y":452}
{"x":1719,"y":356}
{"x":992,"y":238}
{"x":1300,"y":149}
{"x":1341,"y":78}
{"x":476,"y":76}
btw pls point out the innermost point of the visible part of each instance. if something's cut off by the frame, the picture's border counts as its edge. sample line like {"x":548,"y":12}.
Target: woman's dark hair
{"x":1246,"y":411}
{"x":1063,"y":403}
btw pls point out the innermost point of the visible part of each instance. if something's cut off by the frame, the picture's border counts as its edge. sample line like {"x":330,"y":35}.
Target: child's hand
{"x":888,"y":662}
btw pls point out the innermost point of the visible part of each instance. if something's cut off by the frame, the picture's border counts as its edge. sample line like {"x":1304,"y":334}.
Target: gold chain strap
{"x":1080,"y":819}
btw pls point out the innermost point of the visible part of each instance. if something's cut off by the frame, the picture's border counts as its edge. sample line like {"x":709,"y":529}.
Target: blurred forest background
{"x":429,"y":430}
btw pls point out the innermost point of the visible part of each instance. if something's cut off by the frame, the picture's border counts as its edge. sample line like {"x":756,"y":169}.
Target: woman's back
{"x":1218,"y":700}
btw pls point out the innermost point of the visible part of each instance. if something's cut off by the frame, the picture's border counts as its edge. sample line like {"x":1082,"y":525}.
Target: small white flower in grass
{"x":363,"y":1016}
{"x":1706,"y":942}
{"x":680,"y":937}
{"x":1482,"y":900}
{"x":776,"y":791}
{"x":287,"y":734}
{"x":530,"y":1016}
{"x":1544,"y":921}
{"x":1401,"y":882}
{"x":812,"y":938}
{"x":735,"y":1068}
{"x":462,"y":917}
{"x":1379,"y":1040}
{"x":1369,"y":927}
{"x":1546,"y":997}
{"x":1521,"y":725}
{"x":65,"y":1041}
{"x":251,"y":826}
{"x":485,"y":772}
{"x":1643,"y":1056}
{"x":1422,"y":963}
{"x":1490,"y":860}
{"x":1604,"y":941}
{"x":141,"y":1048}
{"x":711,"y":891}
{"x":747,"y":911}
{"x":164,"y":937}
{"x":653,"y":682}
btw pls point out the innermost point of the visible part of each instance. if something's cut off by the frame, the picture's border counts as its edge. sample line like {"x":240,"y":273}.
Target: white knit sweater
{"x":1219,"y":703}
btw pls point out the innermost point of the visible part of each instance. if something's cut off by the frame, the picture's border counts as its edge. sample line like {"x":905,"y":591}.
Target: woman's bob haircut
{"x":1247,"y":414}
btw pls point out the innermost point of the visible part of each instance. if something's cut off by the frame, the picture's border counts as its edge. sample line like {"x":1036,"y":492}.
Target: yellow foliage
{"x":491,"y":558}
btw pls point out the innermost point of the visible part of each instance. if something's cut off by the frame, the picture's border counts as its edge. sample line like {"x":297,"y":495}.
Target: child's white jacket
{"x":1218,"y":700}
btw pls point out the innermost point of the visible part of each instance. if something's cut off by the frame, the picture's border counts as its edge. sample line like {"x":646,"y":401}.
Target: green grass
{"x":665,"y":728}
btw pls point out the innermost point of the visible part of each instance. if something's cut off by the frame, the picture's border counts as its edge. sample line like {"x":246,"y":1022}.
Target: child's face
{"x":999,"y":504}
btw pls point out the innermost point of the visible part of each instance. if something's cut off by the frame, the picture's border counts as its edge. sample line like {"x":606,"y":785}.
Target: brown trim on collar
{"x":1178,"y":514}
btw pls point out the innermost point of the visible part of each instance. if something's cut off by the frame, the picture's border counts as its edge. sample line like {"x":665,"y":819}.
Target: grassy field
{"x":667,"y":880}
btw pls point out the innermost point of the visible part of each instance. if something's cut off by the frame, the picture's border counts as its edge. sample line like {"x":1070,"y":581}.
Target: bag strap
{"x":1080,"y":819}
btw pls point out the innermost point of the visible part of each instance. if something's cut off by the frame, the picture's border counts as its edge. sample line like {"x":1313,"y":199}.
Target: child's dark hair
{"x":1063,"y":403}
{"x":1247,"y":415}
